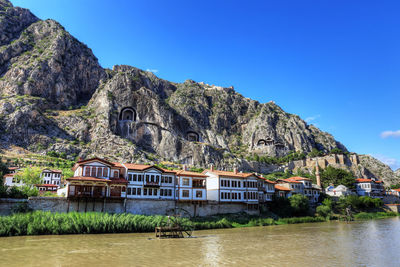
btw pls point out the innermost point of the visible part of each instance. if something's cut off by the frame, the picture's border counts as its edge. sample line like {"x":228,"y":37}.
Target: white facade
{"x":93,"y":169}
{"x":266,"y":190}
{"x":150,"y":183}
{"x":368,"y":187}
{"x":232,"y":187}
{"x":338,"y":191}
{"x":11,"y":180}
{"x":190,"y":186}
{"x":51,"y":177}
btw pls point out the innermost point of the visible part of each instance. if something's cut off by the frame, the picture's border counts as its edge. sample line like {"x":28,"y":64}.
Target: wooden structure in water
{"x":173,"y":228}
{"x":169,"y":232}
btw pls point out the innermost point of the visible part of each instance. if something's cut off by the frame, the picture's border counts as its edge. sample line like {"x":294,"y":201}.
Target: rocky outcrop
{"x":39,"y":58}
{"x":13,"y":20}
{"x":55,"y":96}
{"x":371,"y":167}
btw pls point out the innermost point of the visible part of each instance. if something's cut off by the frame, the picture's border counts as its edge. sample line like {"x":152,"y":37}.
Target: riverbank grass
{"x":47,"y":223}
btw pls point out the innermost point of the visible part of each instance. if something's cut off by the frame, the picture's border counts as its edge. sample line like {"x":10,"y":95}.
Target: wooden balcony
{"x":151,"y":184}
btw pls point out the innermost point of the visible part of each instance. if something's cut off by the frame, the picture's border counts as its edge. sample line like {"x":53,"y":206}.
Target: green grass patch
{"x":374,"y":215}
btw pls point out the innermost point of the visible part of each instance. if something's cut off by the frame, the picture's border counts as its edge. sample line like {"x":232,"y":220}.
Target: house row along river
{"x":366,"y":243}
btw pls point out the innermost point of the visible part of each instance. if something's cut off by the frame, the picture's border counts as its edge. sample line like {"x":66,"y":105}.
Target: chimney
{"x":212,"y":167}
{"x":235,"y":170}
{"x":317,"y":174}
{"x":184,"y":167}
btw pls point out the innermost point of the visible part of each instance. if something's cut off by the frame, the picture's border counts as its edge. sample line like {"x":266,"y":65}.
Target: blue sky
{"x":334,"y":63}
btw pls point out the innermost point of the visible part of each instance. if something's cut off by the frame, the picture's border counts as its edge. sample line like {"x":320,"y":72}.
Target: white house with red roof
{"x":97,"y":178}
{"x":266,"y":189}
{"x":51,"y":177}
{"x":149,"y":182}
{"x":296,"y":187}
{"x":303,"y":186}
{"x":232,"y":187}
{"x":190,"y":186}
{"x":282,"y":191}
{"x":9,"y":179}
{"x":369,"y":187}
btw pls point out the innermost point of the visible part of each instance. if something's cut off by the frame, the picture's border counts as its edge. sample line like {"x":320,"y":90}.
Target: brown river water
{"x":367,"y":243}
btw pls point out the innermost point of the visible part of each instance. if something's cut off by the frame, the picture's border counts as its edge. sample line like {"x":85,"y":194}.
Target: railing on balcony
{"x":87,"y":191}
{"x":151,"y":184}
{"x":198,"y":184}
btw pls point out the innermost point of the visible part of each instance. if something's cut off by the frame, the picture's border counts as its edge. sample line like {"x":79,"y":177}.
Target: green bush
{"x":324,"y":211}
{"x":299,"y":204}
{"x":357,"y":203}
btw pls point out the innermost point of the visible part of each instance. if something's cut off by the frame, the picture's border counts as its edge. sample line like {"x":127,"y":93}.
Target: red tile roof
{"x":9,"y":175}
{"x":298,"y":178}
{"x":169,"y":171}
{"x":190,"y":174}
{"x":230,"y":174}
{"x":362,"y":180}
{"x":117,"y":164}
{"x":139,"y":167}
{"x":281,"y":188}
{"x":266,"y":180}
{"x":47,"y":185}
{"x":288,"y":180}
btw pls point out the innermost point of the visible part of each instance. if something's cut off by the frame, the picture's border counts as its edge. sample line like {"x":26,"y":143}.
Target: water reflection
{"x":369,"y":243}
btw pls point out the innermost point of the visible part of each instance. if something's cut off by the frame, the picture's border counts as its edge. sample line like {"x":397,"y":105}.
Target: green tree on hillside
{"x":331,"y":175}
{"x":315,"y":153}
{"x":29,"y":176}
{"x":336,"y":151}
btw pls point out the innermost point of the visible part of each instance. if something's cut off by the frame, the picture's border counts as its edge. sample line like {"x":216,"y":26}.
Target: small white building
{"x":10,"y":180}
{"x":191,"y":186}
{"x":232,"y":187}
{"x":369,"y":187}
{"x":303,"y":186}
{"x":338,"y":191}
{"x":149,"y":182}
{"x":296,"y":187}
{"x":51,"y":177}
{"x":266,"y":189}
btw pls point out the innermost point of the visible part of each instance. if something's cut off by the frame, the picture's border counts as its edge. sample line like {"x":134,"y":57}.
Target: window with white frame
{"x":185,"y":193}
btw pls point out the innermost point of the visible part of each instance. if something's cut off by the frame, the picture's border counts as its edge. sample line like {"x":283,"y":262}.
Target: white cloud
{"x":394,"y":134}
{"x":392,"y":162}
{"x":152,"y":70}
{"x":312,"y":118}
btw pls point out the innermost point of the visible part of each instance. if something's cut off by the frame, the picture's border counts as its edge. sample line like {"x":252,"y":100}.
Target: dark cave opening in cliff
{"x":192,"y":136}
{"x":127,"y":114}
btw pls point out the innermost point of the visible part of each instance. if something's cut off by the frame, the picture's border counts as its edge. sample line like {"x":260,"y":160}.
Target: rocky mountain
{"x":54,"y":95}
{"x":397,"y":172}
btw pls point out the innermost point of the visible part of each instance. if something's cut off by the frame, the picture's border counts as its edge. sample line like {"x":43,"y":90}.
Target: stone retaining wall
{"x":134,"y":206}
{"x":393,"y":207}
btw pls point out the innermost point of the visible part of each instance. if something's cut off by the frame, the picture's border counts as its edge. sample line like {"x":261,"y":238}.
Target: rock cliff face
{"x":55,"y":96}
